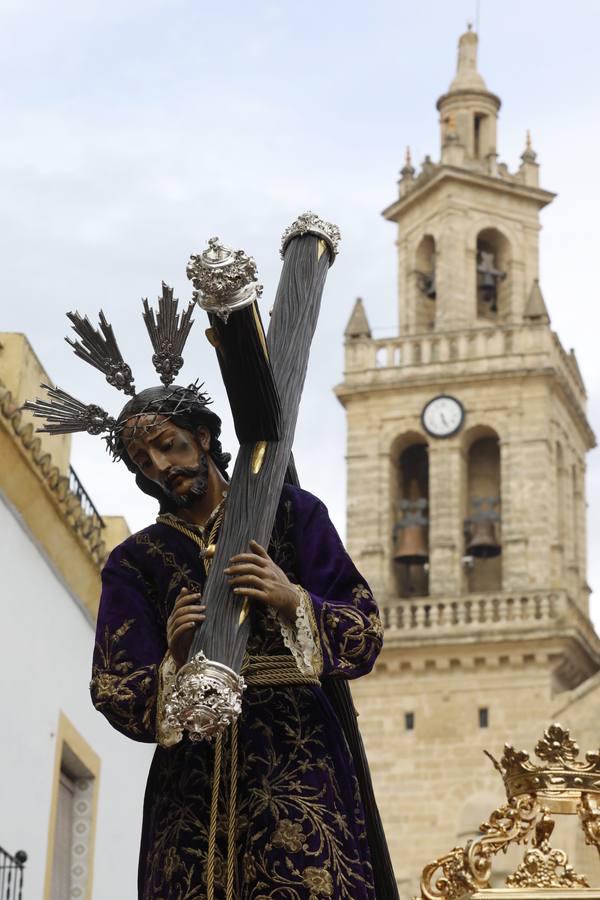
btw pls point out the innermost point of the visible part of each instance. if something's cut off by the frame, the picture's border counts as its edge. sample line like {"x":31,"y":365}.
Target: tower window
{"x":410,"y":532}
{"x":477,"y":123}
{"x":484,"y":717}
{"x":409,"y":721}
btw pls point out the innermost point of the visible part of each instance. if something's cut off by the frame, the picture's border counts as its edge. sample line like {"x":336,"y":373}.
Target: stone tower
{"x":467,"y":438}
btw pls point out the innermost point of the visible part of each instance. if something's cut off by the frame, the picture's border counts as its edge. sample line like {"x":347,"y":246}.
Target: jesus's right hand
{"x":186,"y":614}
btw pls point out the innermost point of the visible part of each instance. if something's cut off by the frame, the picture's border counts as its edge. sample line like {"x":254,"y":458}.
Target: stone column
{"x":445,"y":518}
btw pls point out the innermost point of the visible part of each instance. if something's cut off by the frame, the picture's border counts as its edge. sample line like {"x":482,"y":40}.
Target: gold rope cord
{"x":212,"y":833}
{"x":273,"y":671}
{"x":178,"y":525}
{"x":233,"y":782}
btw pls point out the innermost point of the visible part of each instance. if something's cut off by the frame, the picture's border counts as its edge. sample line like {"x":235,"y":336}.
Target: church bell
{"x":410,"y":533}
{"x":482,"y":540}
{"x":489,"y":276}
{"x":427,"y":284}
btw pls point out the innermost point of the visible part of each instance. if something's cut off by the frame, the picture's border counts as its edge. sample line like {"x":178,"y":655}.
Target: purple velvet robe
{"x":300,"y":821}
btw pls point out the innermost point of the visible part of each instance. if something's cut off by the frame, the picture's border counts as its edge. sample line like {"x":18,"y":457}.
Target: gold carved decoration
{"x":541,"y":864}
{"x":562,"y":778}
{"x":467,"y":869}
{"x":590,"y":820}
{"x":260,"y":330}
{"x":561,"y":784}
{"x":258,"y":455}
{"x":213,"y":338}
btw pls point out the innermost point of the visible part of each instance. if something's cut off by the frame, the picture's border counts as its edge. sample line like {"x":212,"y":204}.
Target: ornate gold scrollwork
{"x":589,"y":817}
{"x":509,"y":824}
{"x":467,"y":869}
{"x":562,"y":784}
{"x":453,"y":881}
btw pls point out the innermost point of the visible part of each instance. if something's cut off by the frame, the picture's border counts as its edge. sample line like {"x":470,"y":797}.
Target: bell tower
{"x":467,"y":438}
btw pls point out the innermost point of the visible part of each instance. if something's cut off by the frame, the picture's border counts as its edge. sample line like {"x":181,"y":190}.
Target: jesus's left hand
{"x":254,"y":574}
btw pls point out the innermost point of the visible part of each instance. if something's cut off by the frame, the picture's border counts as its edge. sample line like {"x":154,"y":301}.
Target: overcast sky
{"x":133,"y":130}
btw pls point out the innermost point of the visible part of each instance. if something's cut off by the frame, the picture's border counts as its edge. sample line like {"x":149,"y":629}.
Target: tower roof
{"x":467,"y":77}
{"x":535,"y":308}
{"x":358,"y":324}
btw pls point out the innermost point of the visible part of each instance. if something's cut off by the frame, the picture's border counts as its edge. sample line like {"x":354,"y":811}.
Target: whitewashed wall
{"x":46,"y":643}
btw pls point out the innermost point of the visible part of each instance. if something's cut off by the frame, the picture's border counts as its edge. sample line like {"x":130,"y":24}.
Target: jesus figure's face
{"x":171,"y":456}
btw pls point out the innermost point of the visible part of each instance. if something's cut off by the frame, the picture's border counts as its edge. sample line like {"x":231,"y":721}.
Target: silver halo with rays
{"x":168,"y":334}
{"x":65,"y":414}
{"x":99,"y":348}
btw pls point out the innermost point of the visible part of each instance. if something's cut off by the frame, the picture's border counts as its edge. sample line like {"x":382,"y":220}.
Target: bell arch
{"x":482,"y":510}
{"x":410,"y":515}
{"x":492,"y":273}
{"x":425,"y":273}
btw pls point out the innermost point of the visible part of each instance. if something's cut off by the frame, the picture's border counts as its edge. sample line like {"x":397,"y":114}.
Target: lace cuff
{"x":166,"y":736}
{"x":302,"y":637}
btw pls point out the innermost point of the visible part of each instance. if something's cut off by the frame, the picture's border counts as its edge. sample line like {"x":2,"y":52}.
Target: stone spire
{"x":467,"y":77}
{"x":408,"y":170}
{"x":535,"y":308}
{"x":358,"y":324}
{"x":407,"y":175}
{"x":529,"y":168}
{"x":529,"y":155}
{"x":468,"y":113}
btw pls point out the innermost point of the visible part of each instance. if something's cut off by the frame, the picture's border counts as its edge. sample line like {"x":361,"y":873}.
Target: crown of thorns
{"x":168,"y":331}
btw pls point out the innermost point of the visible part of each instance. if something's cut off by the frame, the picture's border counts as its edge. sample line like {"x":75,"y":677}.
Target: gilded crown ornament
{"x":561,"y":779}
{"x":562,"y":784}
{"x":311,"y":223}
{"x":224,"y":280}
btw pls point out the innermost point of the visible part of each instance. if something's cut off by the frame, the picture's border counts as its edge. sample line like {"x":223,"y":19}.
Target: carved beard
{"x":198,"y":487}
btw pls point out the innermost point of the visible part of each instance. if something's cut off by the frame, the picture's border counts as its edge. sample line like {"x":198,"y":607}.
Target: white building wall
{"x":46,"y":642}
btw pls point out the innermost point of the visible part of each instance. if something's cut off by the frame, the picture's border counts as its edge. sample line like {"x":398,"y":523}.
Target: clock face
{"x":443,"y":416}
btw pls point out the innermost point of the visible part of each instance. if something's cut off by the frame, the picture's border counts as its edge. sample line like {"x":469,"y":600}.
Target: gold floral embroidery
{"x":181,"y":573}
{"x":120,"y":689}
{"x":318,"y":881}
{"x":289,"y":835}
{"x":361,"y":593}
{"x":351,"y":635}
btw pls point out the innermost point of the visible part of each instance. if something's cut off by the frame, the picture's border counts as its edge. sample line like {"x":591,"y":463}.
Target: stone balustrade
{"x":426,"y":618}
{"x":526,"y":345}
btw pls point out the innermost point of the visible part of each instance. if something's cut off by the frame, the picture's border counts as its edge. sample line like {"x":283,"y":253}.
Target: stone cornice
{"x":444,"y":173}
{"x":71,"y":539}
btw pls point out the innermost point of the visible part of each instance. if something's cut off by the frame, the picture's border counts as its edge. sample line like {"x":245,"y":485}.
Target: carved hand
{"x":186,"y":614}
{"x":254,"y":574}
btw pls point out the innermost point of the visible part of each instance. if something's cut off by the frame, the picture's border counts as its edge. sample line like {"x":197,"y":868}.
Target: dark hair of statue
{"x":186,"y":409}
